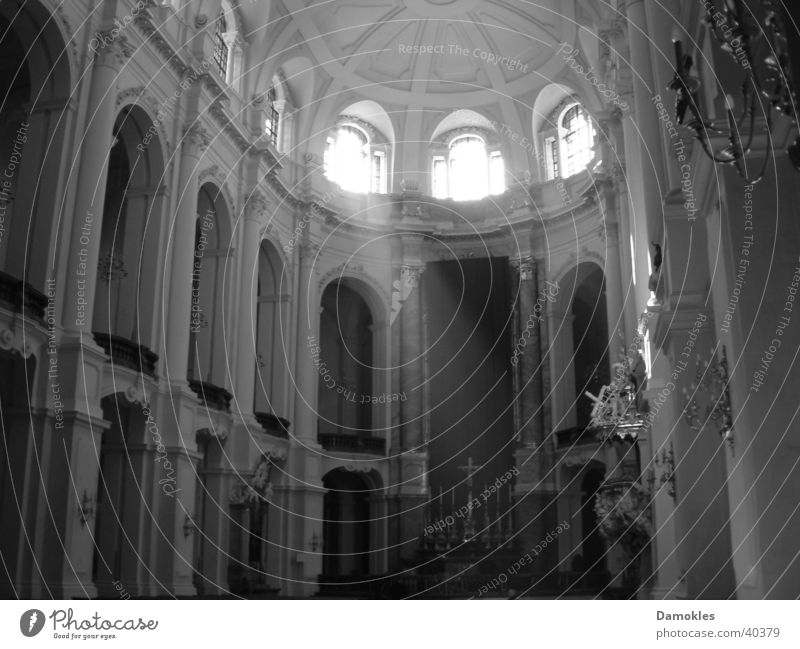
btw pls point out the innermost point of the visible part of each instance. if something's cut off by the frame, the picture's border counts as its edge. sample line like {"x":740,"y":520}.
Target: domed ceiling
{"x":452,"y":53}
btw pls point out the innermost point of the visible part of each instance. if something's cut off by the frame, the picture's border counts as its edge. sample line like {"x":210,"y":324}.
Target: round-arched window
{"x":351,"y":162}
{"x":470,"y":171}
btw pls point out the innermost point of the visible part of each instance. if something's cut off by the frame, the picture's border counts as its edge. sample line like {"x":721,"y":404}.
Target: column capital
{"x":308,"y":251}
{"x":525,"y":266}
{"x":195,"y":138}
{"x":410,"y":273}
{"x":111,"y":50}
{"x":257,"y":205}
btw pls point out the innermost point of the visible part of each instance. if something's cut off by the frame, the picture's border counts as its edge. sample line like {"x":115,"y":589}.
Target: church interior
{"x":399,"y":299}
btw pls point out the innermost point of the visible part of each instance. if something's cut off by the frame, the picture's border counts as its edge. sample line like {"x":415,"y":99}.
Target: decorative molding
{"x":488,"y":136}
{"x":68,"y":35}
{"x":357,"y":271}
{"x":13,"y":342}
{"x":216,"y":176}
{"x":256,"y":206}
{"x":152,"y":35}
{"x":137,"y":96}
{"x":220,"y":436}
{"x":525,"y":267}
{"x":196,"y":136}
{"x":115,"y":53}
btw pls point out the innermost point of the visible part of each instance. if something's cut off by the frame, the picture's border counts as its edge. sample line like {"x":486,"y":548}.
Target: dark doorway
{"x":345,"y":528}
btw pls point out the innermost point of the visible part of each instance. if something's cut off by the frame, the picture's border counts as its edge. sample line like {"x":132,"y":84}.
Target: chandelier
{"x":764,"y":50}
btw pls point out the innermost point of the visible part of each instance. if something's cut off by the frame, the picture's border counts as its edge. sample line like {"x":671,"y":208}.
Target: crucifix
{"x":470,"y":469}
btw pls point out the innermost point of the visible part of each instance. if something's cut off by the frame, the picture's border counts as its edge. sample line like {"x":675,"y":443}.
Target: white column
{"x":176,"y":343}
{"x":614,"y":302}
{"x":244,"y":386}
{"x":643,"y":151}
{"x":305,"y":424}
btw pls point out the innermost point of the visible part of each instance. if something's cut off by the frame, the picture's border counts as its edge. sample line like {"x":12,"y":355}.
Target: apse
{"x":471,"y":419}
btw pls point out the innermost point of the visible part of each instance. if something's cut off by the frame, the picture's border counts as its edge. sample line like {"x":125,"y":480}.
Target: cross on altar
{"x":470,"y":469}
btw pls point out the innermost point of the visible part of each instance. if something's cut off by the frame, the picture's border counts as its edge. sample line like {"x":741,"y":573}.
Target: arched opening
{"x":467,"y":161}
{"x":271,"y":333}
{"x":592,"y":545}
{"x":346,"y":342}
{"x":206,"y":340}
{"x":120,"y":538}
{"x":347,"y":159}
{"x":36,"y":85}
{"x":128,"y":237}
{"x":590,"y":340}
{"x":208,"y":516}
{"x":346,"y":526}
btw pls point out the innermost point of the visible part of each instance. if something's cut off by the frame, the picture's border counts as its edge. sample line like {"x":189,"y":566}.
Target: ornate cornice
{"x":151,"y":33}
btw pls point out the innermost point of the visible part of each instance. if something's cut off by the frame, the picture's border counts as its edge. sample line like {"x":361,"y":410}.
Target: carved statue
{"x":652,"y":284}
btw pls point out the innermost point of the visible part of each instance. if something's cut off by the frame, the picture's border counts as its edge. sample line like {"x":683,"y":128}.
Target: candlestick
{"x":678,"y":45}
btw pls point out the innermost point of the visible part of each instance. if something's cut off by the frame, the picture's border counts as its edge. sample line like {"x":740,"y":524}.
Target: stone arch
{"x":212,"y":290}
{"x":579,"y":341}
{"x":130,"y":232}
{"x":353,"y":521}
{"x":272,"y":333}
{"x":215,"y":176}
{"x":137,"y":96}
{"x":369,"y":288}
{"x":33,"y":118}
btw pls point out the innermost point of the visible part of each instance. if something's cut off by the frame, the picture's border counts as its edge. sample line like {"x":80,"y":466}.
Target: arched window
{"x":352,"y":163}
{"x":576,"y":136}
{"x":220,"y":46}
{"x":470,"y":171}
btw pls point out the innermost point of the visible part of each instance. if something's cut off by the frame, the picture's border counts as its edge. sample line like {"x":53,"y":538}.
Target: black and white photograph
{"x":304,"y":302}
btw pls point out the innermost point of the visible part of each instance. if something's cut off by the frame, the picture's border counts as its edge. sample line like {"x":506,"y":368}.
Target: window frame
{"x":222,"y":52}
{"x":375,"y":148}
{"x":443,"y":154}
{"x":272,"y":121}
{"x":567,"y":165}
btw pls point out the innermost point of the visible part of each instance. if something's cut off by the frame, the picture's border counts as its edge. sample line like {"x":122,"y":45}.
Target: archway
{"x":578,"y":328}
{"x":129,"y":233}
{"x":121,"y":547}
{"x":346,"y":342}
{"x":37,"y":83}
{"x":346,"y":526}
{"x":207,"y":352}
{"x":590,"y":341}
{"x":271,"y":333}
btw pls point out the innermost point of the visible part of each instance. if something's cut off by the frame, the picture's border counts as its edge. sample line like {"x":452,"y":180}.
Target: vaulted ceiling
{"x":371,"y":46}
